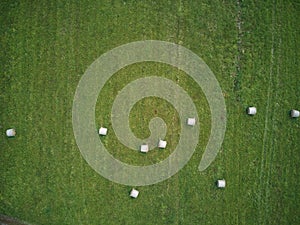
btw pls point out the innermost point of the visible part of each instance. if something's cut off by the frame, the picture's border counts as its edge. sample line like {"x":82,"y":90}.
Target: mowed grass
{"x":148,"y":108}
{"x":46,"y":48}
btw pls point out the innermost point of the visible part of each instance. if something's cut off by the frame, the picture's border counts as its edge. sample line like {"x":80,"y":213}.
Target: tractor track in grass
{"x":267,"y":154}
{"x":271,"y":143}
{"x":237,"y":77}
{"x":236,"y":82}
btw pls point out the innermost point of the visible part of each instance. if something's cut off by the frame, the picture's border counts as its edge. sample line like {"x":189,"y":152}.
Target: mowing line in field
{"x":238,"y":72}
{"x":264,"y":155}
{"x":276,"y":85}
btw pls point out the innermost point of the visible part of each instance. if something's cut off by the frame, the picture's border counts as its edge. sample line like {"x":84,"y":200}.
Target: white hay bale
{"x":103,"y":131}
{"x":295,"y":113}
{"x":10,"y":132}
{"x":191,"y":121}
{"x":162,"y":144}
{"x":221,"y":183}
{"x":144,"y":148}
{"x":134,"y":193}
{"x":251,"y":110}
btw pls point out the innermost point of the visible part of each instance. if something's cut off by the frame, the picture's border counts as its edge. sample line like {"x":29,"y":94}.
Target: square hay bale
{"x":191,"y":121}
{"x":103,"y":131}
{"x":134,"y":193}
{"x":144,"y":148}
{"x":251,"y":110}
{"x":162,"y":144}
{"x":295,"y":113}
{"x":221,"y":183}
{"x":10,"y":132}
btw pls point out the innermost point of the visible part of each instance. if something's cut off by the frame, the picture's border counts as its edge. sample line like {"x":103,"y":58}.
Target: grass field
{"x":251,"y":46}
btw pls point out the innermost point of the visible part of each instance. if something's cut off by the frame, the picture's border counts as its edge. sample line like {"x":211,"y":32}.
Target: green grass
{"x":141,"y":114}
{"x":47,"y":46}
